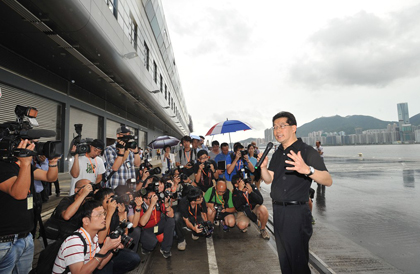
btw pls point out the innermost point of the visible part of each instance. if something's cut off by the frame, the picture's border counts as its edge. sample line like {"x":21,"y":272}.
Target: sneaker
{"x":195,"y":238}
{"x":166,"y":254}
{"x":182,"y":245}
{"x":244,"y":230}
{"x":225,"y":228}
{"x":216,"y":223}
{"x":264,"y":234}
{"x":144,"y":251}
{"x":313,"y":220}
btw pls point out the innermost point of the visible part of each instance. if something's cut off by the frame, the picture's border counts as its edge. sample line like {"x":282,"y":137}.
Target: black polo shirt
{"x":290,"y":185}
{"x":14,"y":214}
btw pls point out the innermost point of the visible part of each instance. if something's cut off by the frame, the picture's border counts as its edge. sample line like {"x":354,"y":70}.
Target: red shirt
{"x":154,"y":217}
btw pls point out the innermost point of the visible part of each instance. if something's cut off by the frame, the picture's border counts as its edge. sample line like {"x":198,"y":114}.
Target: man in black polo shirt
{"x":291,"y":171}
{"x":16,"y":209}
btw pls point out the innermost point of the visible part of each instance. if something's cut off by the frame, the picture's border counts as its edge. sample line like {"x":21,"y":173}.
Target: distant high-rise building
{"x":403,"y":118}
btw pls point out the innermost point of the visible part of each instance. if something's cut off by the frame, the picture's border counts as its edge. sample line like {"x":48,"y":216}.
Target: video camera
{"x":12,"y":133}
{"x":126,"y":240}
{"x":129,"y":140}
{"x":82,"y":145}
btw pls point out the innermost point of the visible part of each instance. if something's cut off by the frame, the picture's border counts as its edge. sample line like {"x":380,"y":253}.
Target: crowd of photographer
{"x":118,"y":203}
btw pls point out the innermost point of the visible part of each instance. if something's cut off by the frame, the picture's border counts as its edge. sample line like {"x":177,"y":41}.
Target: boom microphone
{"x":266,"y":151}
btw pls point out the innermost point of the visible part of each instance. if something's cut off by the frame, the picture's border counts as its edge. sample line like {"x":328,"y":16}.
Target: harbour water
{"x":399,"y":152}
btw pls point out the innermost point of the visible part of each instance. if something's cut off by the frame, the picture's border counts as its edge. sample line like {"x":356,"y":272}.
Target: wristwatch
{"x":311,"y":171}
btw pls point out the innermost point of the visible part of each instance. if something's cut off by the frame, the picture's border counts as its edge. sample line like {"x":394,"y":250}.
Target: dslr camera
{"x":12,"y":133}
{"x":207,"y":228}
{"x":218,"y":209}
{"x":126,"y":240}
{"x":243,"y":153}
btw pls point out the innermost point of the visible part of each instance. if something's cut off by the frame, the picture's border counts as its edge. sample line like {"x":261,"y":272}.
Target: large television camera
{"x":82,"y":145}
{"x":12,"y":133}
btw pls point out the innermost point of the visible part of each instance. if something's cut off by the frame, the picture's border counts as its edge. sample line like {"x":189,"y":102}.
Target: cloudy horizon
{"x":239,"y":60}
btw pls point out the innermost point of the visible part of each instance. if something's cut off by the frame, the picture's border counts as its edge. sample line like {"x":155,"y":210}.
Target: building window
{"x":166,"y":92}
{"x":154,"y":72}
{"x":133,"y":33}
{"x":169,"y":97}
{"x":161,"y":83}
{"x":113,"y":7}
{"x":146,"y":55}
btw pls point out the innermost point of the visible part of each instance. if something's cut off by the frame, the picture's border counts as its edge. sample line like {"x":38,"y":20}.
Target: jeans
{"x":16,"y":257}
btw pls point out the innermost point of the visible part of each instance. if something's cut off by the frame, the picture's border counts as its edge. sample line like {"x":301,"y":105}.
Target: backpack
{"x":47,"y":256}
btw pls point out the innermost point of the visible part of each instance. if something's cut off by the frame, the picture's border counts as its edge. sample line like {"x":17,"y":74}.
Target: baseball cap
{"x":123,"y":129}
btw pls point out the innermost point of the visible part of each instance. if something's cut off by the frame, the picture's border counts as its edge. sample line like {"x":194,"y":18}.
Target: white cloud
{"x":362,"y":49}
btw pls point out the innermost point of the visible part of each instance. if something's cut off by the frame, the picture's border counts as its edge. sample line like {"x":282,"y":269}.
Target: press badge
{"x":155,"y":229}
{"x":30,"y":201}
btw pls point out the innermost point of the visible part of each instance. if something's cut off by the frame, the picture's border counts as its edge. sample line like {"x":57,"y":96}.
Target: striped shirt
{"x":72,"y":251}
{"x":125,"y":172}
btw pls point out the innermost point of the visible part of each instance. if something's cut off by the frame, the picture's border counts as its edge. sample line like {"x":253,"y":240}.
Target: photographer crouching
{"x":116,"y":225}
{"x":220,"y":205}
{"x":248,"y":202}
{"x":194,"y":212}
{"x":156,"y":218}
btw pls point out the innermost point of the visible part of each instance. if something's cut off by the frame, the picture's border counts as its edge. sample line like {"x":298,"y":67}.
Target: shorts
{"x":241,"y":217}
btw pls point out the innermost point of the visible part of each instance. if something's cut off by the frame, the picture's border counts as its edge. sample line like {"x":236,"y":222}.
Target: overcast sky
{"x":248,"y":60}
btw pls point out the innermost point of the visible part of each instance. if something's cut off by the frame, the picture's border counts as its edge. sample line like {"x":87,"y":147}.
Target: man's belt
{"x":11,"y":238}
{"x":288,"y":203}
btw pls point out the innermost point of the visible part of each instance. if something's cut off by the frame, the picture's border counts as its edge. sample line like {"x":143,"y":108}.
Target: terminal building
{"x":100,"y":63}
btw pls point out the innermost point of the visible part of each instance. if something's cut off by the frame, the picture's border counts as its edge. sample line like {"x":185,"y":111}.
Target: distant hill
{"x":347,"y":124}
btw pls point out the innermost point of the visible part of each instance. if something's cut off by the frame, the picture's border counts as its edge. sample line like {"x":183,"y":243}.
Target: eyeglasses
{"x":282,"y":126}
{"x":100,"y":214}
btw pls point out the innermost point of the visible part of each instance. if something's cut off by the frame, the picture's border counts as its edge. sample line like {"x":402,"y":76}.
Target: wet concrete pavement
{"x":367,"y":222}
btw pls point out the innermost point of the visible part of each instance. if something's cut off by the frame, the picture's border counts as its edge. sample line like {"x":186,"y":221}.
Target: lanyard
{"x":93,"y":167}
{"x":90,"y":245}
{"x":238,"y":166}
{"x":195,"y":216}
{"x":188,"y":158}
{"x":222,"y":202}
{"x":247,"y":200}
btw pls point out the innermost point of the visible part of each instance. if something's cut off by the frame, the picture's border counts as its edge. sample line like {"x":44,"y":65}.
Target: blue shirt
{"x":221,"y":157}
{"x":38,"y":184}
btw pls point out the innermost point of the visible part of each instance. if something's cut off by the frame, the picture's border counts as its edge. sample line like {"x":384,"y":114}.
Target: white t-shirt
{"x":89,"y":169}
{"x":71,"y":251}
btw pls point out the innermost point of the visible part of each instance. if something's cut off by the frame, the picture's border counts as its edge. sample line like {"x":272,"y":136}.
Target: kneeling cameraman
{"x":194,"y":212}
{"x":248,"y":202}
{"x":126,"y":259}
{"x":156,"y":217}
{"x":220,"y":205}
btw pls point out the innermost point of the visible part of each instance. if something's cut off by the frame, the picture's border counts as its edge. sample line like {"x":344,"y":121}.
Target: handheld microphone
{"x":266,"y":151}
